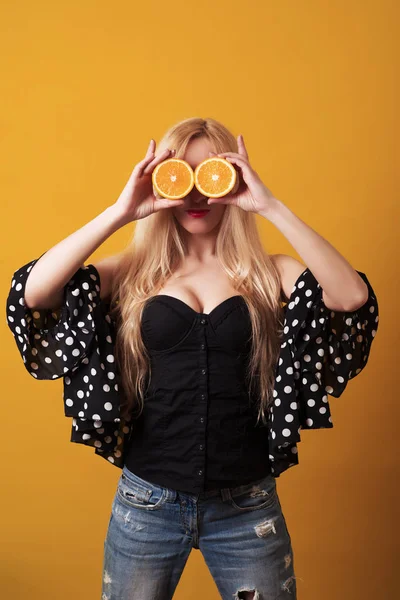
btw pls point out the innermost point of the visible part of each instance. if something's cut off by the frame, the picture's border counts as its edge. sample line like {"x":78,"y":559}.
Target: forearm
{"x":339,"y":281}
{"x":55,"y":268}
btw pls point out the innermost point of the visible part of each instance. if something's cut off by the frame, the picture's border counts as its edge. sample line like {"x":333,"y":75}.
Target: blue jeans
{"x":240,"y":531}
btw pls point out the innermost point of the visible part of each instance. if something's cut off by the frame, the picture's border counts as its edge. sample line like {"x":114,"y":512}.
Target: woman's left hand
{"x":251,"y":195}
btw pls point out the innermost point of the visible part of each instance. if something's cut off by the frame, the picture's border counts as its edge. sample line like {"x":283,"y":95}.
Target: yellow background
{"x":312,"y":88}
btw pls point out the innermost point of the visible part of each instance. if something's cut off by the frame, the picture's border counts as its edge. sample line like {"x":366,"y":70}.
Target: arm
{"x":55,"y":307}
{"x":343,"y":288}
{"x":62,"y":328}
{"x":289,"y":270}
{"x":49,"y":275}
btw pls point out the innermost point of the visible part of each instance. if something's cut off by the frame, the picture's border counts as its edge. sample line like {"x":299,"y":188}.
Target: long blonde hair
{"x":156,"y":250}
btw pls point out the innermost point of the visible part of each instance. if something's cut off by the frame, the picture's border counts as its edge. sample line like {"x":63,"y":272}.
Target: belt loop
{"x":170,"y":494}
{"x":225,"y":494}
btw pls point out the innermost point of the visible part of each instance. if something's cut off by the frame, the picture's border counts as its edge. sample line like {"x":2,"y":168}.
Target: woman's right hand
{"x":137,"y":199}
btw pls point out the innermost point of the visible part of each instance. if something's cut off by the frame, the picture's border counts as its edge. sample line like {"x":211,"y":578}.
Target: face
{"x":197,"y":151}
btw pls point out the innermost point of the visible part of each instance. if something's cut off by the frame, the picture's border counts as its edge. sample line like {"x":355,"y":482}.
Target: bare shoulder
{"x":289,"y":269}
{"x":106,"y":268}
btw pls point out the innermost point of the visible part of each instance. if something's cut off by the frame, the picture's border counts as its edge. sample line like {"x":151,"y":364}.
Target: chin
{"x":198,"y":225}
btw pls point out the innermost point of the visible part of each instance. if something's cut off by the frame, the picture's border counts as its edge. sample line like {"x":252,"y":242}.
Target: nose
{"x":198,"y":198}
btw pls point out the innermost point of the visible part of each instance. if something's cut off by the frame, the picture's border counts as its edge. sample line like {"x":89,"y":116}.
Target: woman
{"x":182,"y":367}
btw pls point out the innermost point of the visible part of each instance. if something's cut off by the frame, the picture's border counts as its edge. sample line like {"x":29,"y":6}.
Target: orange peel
{"x":173,"y":178}
{"x":215,"y":177}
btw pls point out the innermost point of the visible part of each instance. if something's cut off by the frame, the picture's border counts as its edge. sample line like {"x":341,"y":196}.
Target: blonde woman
{"x":192,"y":360}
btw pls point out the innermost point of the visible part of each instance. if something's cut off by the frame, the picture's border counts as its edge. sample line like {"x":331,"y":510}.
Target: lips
{"x":198,"y":212}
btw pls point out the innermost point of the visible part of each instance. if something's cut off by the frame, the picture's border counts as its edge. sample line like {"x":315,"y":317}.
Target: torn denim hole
{"x":245,"y":595}
{"x":263,"y":529}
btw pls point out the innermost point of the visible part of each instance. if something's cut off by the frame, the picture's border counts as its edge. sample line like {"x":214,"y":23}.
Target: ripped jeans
{"x":240,"y":531}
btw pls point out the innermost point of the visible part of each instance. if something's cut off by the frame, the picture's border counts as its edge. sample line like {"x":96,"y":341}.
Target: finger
{"x":223,"y":200}
{"x":161,"y":203}
{"x":241,"y":163}
{"x":149,"y":153}
{"x":238,"y":160}
{"x":231,"y":155}
{"x":149,"y":156}
{"x":221,"y":154}
{"x":150,"y":148}
{"x":163,"y":156}
{"x":242,"y":147}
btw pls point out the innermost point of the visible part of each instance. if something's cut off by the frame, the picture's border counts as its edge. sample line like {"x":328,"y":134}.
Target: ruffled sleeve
{"x":77,"y":343}
{"x":51,"y":343}
{"x":321,"y":351}
{"x":332,"y":347}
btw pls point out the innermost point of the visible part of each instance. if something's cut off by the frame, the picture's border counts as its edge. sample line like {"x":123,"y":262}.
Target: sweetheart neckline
{"x":200,"y":314}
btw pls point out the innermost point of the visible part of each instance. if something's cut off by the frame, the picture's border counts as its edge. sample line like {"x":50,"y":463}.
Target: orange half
{"x":173,"y":178}
{"x":215,"y":177}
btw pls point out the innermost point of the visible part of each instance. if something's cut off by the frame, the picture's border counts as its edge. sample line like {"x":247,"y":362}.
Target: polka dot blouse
{"x":321,"y":350}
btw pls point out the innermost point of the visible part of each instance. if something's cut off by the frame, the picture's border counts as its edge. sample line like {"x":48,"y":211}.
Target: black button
{"x":200,"y":472}
{"x":201,"y":446}
{"x":202,"y":346}
{"x":201,"y":419}
{"x":203,"y":321}
{"x":203,"y":396}
{"x":204,"y":371}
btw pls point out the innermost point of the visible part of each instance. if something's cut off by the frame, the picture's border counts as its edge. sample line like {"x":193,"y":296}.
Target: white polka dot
{"x":320,"y":345}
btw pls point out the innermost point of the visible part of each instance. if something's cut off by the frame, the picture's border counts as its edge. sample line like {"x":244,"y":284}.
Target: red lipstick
{"x":197,"y":214}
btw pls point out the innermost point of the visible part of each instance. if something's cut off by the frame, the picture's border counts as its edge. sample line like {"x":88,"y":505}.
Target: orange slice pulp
{"x":215,"y":177}
{"x":173,"y":178}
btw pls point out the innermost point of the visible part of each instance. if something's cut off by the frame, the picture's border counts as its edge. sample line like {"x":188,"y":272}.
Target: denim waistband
{"x":171,"y":493}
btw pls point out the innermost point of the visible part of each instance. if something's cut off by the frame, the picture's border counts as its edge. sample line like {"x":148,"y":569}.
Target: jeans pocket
{"x":254,"y":495}
{"x":134,"y":494}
